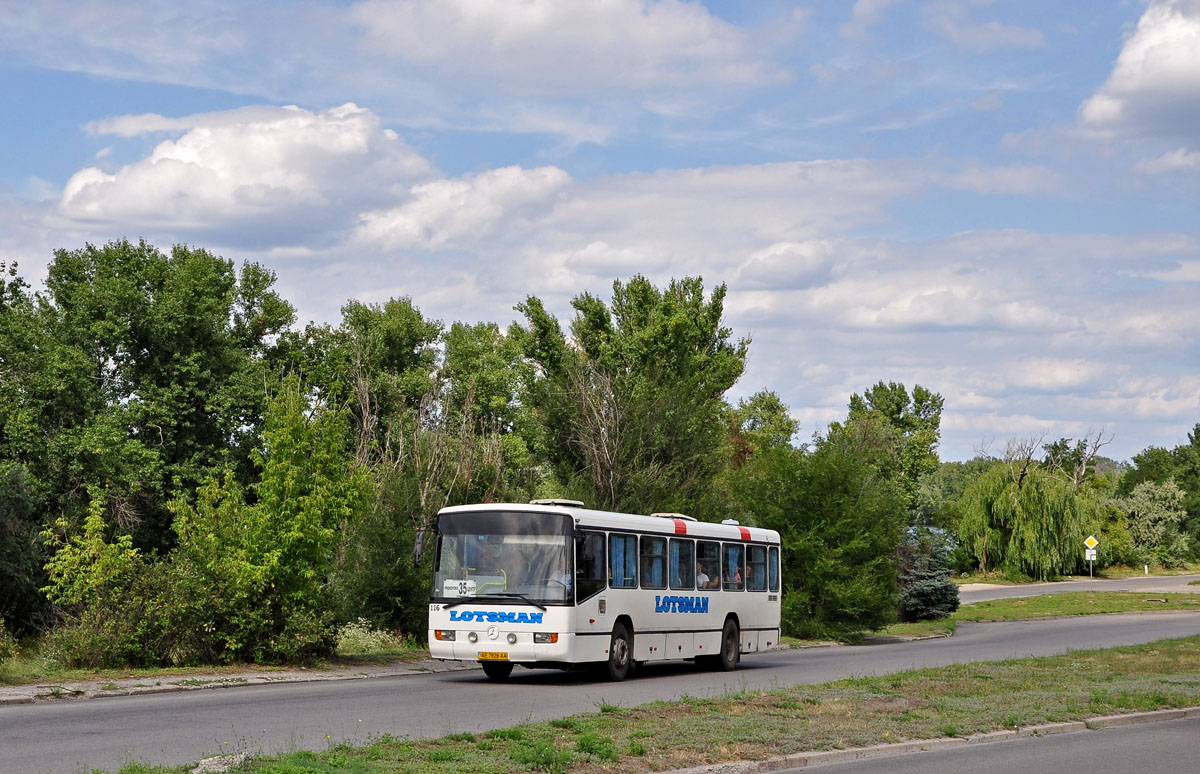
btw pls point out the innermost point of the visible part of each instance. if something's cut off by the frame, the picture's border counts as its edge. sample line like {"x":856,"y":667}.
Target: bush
{"x":8,"y":644}
{"x":360,"y":637}
{"x":926,"y":591}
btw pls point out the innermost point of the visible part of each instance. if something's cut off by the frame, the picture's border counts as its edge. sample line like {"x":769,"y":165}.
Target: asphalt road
{"x":1155,"y":584}
{"x":173,"y":728}
{"x":1169,"y":746}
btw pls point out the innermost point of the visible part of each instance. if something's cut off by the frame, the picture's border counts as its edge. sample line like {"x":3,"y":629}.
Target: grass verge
{"x":1049,"y":606}
{"x":755,"y":725}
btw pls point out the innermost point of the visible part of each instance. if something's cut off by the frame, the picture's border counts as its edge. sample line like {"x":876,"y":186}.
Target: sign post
{"x":1090,"y":553}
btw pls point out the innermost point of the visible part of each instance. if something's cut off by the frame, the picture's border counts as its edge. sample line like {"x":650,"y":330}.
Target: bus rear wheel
{"x":620,"y":654}
{"x":731,"y":647}
{"x":497,"y":670}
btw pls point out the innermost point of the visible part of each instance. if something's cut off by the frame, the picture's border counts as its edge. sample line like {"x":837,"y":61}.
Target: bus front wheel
{"x":497,"y":670}
{"x":731,"y":647}
{"x":620,"y":653}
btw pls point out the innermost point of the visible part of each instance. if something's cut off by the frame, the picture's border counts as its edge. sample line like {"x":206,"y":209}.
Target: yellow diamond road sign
{"x":1091,"y":541}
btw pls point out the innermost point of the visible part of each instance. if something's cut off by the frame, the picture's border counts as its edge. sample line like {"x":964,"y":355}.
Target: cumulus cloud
{"x":789,"y":265}
{"x":546,"y":47}
{"x":457,"y":213}
{"x":1154,"y":88}
{"x":270,"y":170}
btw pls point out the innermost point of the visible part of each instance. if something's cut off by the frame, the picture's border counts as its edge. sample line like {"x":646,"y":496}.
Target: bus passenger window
{"x":756,"y":568}
{"x":590,"y":572}
{"x":622,"y":561}
{"x":654,"y":560}
{"x":683,"y":564}
{"x":733,"y":571}
{"x":773,"y":570}
{"x":708,"y":565}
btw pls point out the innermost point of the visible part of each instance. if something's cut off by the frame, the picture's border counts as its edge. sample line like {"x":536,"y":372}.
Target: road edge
{"x":806,"y":760}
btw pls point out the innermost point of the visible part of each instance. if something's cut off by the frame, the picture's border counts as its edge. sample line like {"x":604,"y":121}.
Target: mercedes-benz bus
{"x":554,"y":584}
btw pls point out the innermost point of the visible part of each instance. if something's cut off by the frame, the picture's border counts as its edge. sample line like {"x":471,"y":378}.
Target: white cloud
{"x":1180,"y":160}
{"x":1155,"y":85}
{"x":866,"y":14}
{"x":951,"y":20}
{"x":1031,"y":179}
{"x":1048,"y":374}
{"x":789,"y":265}
{"x":547,"y":47}
{"x":265,"y":169}
{"x":456,"y":213}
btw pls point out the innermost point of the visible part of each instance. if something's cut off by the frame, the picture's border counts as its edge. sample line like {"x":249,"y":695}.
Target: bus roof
{"x":585,"y":517}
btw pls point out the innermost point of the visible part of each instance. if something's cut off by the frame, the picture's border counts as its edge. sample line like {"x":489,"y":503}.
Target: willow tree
{"x":1021,"y":519}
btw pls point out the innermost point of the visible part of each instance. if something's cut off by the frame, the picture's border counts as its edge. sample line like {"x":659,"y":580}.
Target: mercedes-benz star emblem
{"x":493,"y":632}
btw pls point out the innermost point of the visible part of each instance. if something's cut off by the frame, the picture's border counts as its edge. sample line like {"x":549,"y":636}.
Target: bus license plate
{"x":487,"y":655}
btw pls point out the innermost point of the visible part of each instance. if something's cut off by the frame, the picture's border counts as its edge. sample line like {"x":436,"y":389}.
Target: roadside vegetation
{"x":189,"y":476}
{"x":755,"y":725}
{"x":1049,"y":606}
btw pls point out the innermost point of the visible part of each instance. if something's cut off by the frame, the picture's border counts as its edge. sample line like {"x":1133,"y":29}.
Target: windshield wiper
{"x":504,"y":595}
{"x":515,"y":595}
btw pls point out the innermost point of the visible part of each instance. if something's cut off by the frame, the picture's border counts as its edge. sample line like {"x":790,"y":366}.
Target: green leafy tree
{"x":759,"y":423}
{"x":1155,"y":512}
{"x":840,"y":523}
{"x":270,"y":562}
{"x":1021,"y":518}
{"x":632,"y":405}
{"x":143,"y":375}
{"x":917,"y":419}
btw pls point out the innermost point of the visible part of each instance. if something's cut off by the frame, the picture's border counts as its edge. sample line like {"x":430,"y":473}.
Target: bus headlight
{"x":473,"y":636}
{"x":545,"y":637}
{"x":512,"y":638}
{"x":445,"y":635}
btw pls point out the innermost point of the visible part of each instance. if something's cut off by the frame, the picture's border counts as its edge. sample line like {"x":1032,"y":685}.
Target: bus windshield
{"x":505,"y":555}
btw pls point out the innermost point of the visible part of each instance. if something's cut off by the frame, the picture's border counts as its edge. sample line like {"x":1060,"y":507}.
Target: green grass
{"x":32,"y":665}
{"x":1049,"y":606}
{"x":1079,"y":603}
{"x":755,"y":725}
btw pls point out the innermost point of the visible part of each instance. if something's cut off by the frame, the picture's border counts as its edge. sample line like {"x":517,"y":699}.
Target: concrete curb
{"x":812,"y":759}
{"x":139,"y":686}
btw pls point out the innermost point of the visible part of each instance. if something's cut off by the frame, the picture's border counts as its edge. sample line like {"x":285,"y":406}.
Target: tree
{"x":633,"y":405}
{"x":1021,"y":518}
{"x":917,"y":418}
{"x":266,"y":567}
{"x":1154,"y":512}
{"x":839,"y":522}
{"x":142,"y":374}
{"x":926,"y":590}
{"x":759,"y":423}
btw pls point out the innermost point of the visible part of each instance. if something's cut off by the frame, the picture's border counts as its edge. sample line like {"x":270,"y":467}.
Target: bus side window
{"x":756,"y":568}
{"x":708,"y":565}
{"x":683,"y":564}
{"x":622,"y":561}
{"x":773,"y":569}
{"x":654,"y":560}
{"x":590,"y":569}
{"x":733,"y":572}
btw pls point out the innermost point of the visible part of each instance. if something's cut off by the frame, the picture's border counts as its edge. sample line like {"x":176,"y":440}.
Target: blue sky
{"x":997,"y":200}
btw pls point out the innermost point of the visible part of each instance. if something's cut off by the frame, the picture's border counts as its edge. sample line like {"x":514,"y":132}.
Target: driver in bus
{"x":562,"y":574}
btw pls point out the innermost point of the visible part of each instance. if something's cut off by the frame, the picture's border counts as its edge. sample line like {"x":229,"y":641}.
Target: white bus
{"x":553,"y":584}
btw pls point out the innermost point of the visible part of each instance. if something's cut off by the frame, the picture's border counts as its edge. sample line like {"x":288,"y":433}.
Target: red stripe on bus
{"x":680,"y":526}
{"x":745,"y":533}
